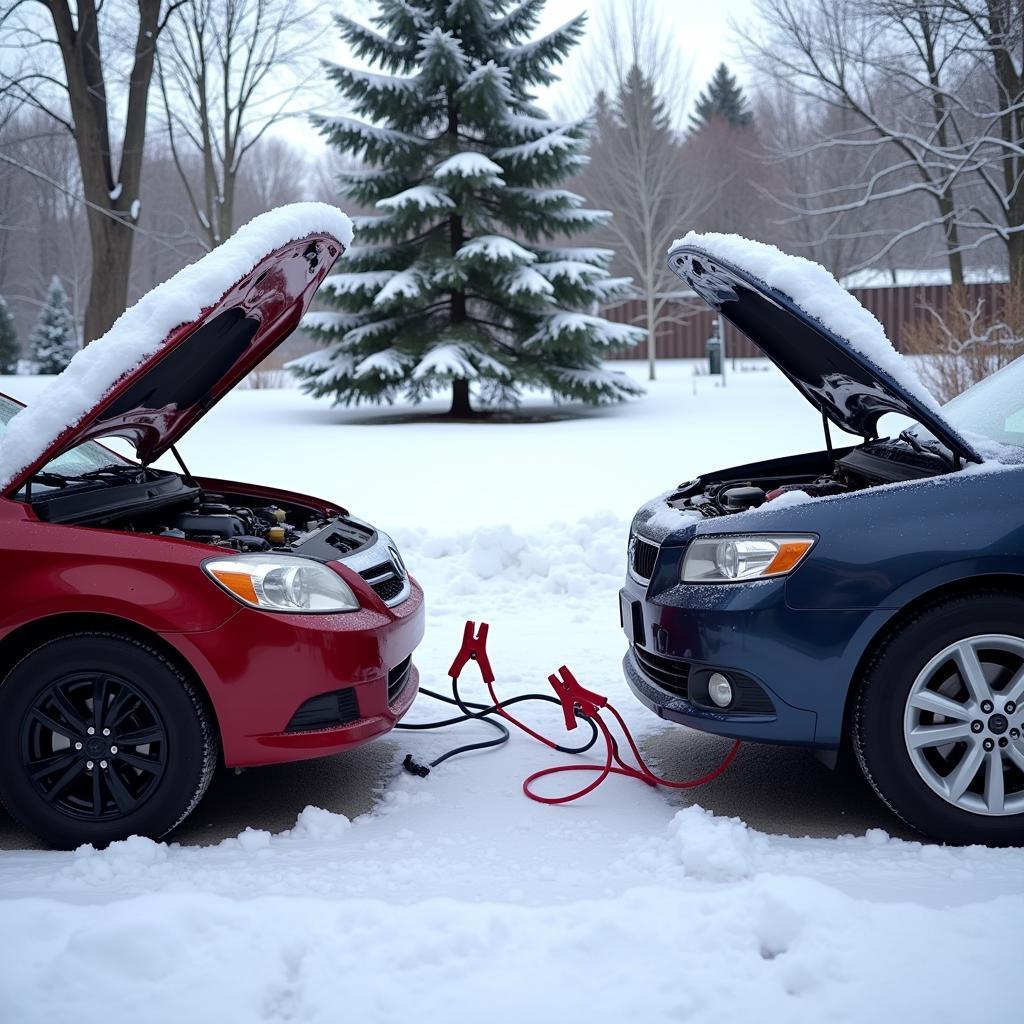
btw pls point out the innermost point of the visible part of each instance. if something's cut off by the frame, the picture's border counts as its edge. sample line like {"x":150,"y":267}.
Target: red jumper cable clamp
{"x":577,"y":703}
{"x":573,"y":696}
{"x":474,"y":648}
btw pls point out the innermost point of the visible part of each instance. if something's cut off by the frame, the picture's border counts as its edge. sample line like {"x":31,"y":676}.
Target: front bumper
{"x":802,"y":660}
{"x":259,"y":668}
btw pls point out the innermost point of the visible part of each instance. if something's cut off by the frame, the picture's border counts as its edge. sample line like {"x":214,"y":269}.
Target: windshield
{"x":993,"y":408}
{"x":83,"y":459}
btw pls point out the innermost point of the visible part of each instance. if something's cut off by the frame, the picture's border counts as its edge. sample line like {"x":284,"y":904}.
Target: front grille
{"x":386,"y":580}
{"x":325,"y":711}
{"x":398,"y":677}
{"x":644,"y":557}
{"x":669,"y":674}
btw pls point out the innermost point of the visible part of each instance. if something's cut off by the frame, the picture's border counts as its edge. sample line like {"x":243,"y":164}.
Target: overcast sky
{"x":701,"y":27}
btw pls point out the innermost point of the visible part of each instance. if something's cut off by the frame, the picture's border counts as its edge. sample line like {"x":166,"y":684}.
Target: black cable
{"x":476,"y":712}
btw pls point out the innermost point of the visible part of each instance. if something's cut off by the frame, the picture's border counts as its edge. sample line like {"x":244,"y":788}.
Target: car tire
{"x":101,"y":738}
{"x":948,"y":675}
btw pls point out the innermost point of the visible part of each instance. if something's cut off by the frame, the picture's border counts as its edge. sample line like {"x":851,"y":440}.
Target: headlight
{"x":734,"y":559}
{"x":282,"y":583}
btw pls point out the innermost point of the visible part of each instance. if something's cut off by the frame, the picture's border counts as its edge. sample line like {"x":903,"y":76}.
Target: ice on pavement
{"x":140,"y":331}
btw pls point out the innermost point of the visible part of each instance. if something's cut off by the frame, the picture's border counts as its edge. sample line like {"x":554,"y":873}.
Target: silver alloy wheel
{"x":964,"y":724}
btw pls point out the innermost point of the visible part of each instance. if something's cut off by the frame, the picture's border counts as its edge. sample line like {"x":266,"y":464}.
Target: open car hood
{"x":156,"y":401}
{"x":849,"y":387}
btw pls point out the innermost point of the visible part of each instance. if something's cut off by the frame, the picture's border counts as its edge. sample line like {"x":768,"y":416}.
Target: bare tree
{"x":225,"y":69}
{"x":993,"y":36}
{"x":110,"y":164}
{"x":639,"y":167}
{"x":799,"y":182}
{"x":892,"y":68}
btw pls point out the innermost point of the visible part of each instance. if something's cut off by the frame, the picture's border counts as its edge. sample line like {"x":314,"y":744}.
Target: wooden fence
{"x":894,"y":307}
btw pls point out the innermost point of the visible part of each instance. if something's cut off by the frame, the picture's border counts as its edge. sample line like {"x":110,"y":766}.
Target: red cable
{"x":642,"y":773}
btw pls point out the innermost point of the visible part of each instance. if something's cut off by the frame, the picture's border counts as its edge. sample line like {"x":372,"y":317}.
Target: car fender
{"x":158,"y":584}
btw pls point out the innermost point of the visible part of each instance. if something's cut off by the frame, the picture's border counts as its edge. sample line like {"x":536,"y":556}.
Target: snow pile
{"x":745,"y":940}
{"x":715,"y":849}
{"x":577,"y":558}
{"x":771,"y":949}
{"x":811,"y":287}
{"x":141,"y":330}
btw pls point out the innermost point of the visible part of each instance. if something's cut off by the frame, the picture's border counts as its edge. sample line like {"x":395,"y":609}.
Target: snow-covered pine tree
{"x":10,"y":350}
{"x":723,"y":99}
{"x":464,"y":274}
{"x":52,"y":342}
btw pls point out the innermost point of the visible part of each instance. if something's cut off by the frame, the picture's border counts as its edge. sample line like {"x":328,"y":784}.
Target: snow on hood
{"x":141,"y":330}
{"x":814,"y":290}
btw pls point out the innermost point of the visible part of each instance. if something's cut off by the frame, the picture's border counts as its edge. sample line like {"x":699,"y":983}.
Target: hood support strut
{"x":189,"y":478}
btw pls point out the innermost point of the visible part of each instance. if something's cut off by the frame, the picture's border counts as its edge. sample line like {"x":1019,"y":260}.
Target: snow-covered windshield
{"x":993,"y":408}
{"x":83,"y":459}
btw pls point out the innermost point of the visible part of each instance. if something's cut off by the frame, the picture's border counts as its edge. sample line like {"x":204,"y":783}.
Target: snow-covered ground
{"x":454,"y":898}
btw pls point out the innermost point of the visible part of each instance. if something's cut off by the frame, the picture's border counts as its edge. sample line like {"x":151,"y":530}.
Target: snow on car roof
{"x":140,"y":331}
{"x":814,"y":290}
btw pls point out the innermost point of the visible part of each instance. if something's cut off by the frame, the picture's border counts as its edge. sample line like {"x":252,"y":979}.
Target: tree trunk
{"x":456,"y":239}
{"x":111,"y":243}
{"x":652,"y":341}
{"x":460,"y":399}
{"x":1015,"y":258}
{"x":111,"y":193}
{"x":951,"y":232}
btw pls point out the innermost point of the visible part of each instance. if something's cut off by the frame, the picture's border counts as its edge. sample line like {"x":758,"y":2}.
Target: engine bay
{"x":878,"y":462}
{"x":137,"y":499}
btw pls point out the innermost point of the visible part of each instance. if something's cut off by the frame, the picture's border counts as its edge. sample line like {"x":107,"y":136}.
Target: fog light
{"x":720,"y":689}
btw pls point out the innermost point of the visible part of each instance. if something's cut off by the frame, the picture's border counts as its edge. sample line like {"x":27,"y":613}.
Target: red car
{"x":152,"y":623}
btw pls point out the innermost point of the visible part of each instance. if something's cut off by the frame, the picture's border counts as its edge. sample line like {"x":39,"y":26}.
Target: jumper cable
{"x":577,"y":703}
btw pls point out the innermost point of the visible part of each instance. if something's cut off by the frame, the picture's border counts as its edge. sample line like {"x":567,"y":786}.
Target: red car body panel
{"x":265,"y":669}
{"x":257,"y":666}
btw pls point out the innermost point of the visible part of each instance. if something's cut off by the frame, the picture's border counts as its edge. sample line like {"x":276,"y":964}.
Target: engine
{"x":230,"y":521}
{"x":240,"y":527}
{"x":880,"y":462}
{"x":726,"y":497}
{"x":139,"y":499}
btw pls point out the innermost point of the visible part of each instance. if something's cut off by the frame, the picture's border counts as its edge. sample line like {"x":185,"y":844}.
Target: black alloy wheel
{"x":102,"y":737}
{"x":93,"y":745}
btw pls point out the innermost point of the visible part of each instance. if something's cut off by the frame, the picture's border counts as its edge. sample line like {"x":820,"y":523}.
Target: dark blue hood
{"x":833,"y":376}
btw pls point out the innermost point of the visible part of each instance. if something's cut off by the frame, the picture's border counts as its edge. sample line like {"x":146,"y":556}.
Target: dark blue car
{"x":870,"y":596}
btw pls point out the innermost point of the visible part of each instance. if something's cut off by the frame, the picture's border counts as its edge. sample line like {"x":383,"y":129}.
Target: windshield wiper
{"x":907,"y":437}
